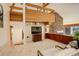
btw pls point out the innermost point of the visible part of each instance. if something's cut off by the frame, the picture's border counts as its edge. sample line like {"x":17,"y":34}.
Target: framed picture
{"x":1,"y":16}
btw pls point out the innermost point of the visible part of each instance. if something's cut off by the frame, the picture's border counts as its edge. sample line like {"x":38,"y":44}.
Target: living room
{"x":29,"y":27}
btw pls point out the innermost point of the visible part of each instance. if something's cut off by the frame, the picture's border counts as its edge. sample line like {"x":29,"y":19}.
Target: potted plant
{"x":76,"y":37}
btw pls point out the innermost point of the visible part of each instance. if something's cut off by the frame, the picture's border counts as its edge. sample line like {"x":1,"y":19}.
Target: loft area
{"x":41,"y":14}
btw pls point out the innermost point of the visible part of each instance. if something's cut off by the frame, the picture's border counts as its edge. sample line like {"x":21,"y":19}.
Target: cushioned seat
{"x":58,"y":52}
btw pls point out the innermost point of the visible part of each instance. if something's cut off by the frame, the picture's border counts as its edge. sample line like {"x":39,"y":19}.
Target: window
{"x":68,"y":30}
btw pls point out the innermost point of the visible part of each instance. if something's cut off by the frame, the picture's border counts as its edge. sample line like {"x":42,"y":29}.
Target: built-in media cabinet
{"x":36,"y":33}
{"x":36,"y":37}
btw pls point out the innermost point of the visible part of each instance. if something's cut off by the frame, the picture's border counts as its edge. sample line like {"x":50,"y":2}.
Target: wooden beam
{"x":52,"y":12}
{"x":36,"y":6}
{"x":12,"y":7}
{"x":45,"y":4}
{"x":15,"y":17}
{"x":17,"y":8}
{"x":16,"y":13}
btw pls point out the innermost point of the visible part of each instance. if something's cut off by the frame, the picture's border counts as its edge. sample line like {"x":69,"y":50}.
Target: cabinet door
{"x":37,"y":38}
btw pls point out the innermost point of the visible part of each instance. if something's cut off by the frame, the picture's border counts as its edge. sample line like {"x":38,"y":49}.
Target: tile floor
{"x":28,"y":49}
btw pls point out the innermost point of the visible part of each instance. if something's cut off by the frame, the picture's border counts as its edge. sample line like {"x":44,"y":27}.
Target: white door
{"x":17,"y":35}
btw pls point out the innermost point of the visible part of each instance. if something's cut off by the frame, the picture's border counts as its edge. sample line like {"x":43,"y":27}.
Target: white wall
{"x":4,"y":32}
{"x":17,"y":34}
{"x":28,"y":31}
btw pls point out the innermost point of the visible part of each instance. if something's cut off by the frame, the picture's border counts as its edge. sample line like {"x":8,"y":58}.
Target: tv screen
{"x":36,"y":30}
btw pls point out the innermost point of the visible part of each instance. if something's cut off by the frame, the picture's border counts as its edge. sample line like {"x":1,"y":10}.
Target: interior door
{"x":16,"y":34}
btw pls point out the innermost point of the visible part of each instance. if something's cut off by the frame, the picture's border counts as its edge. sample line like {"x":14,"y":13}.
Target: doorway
{"x":16,"y":35}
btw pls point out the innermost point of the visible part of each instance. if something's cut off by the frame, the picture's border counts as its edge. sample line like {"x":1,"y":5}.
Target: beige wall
{"x":4,"y":32}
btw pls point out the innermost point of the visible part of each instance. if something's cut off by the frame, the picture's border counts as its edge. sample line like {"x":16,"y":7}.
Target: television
{"x":36,"y":29}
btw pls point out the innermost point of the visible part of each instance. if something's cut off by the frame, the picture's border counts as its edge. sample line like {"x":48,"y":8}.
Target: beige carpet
{"x":29,"y":49}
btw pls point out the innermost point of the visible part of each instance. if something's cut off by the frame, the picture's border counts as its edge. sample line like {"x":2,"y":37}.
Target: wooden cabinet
{"x":36,"y":37}
{"x":60,"y":38}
